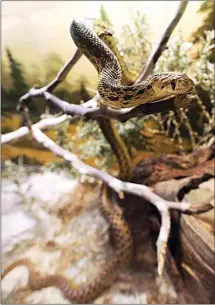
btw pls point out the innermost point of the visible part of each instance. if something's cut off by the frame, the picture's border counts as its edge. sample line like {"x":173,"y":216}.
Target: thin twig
{"x":90,"y":110}
{"x":162,"y":43}
{"x":62,"y":74}
{"x":146,"y":71}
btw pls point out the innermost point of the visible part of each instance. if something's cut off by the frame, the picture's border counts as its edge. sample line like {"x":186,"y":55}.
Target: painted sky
{"x":34,"y":28}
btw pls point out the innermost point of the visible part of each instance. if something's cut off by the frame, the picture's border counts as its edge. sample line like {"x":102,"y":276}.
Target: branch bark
{"x":146,"y":71}
{"x":120,"y":115}
{"x":88,"y":111}
{"x":24,"y":131}
{"x":162,"y":43}
{"x":62,"y":74}
{"x":120,"y":186}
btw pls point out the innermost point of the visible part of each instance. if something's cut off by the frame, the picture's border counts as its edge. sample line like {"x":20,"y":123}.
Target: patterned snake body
{"x":119,"y":232}
{"x":114,"y":95}
{"x":128,"y":75}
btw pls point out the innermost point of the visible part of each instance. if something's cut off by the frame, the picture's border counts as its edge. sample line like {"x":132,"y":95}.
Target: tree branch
{"x":162,"y":43}
{"x":120,"y":186}
{"x":24,"y":131}
{"x":62,"y":74}
{"x":120,"y":115}
{"x":146,"y":71}
{"x":90,"y":110}
{"x":87,"y":112}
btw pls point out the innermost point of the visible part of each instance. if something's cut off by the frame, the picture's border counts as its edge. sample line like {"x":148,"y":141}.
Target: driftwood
{"x":152,"y":171}
{"x":198,"y":259}
{"x":90,"y":110}
{"x":190,"y":257}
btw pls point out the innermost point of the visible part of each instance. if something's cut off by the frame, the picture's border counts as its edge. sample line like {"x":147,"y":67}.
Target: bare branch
{"x":90,"y":110}
{"x":24,"y":131}
{"x":87,"y":112}
{"x":120,"y":115}
{"x":163,"y":238}
{"x":120,"y":186}
{"x":162,"y":43}
{"x":146,"y":71}
{"x":62,"y":74}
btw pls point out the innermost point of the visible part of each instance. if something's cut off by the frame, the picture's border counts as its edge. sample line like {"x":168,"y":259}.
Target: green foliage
{"x":204,"y":76}
{"x":5,"y":76}
{"x":104,"y":17}
{"x":13,"y":82}
{"x":195,"y":124}
{"x":17,"y":75}
{"x":136,"y":35}
{"x":16,"y":81}
{"x":94,"y":145}
{"x":175,"y":57}
{"x":204,"y":70}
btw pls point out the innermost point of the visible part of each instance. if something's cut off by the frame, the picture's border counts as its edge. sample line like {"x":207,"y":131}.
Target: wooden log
{"x":191,"y":244}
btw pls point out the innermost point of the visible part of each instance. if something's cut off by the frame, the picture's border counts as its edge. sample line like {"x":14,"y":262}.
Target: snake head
{"x":182,"y":84}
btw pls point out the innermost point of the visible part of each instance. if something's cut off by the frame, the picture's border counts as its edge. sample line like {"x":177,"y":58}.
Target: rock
{"x":17,"y":226}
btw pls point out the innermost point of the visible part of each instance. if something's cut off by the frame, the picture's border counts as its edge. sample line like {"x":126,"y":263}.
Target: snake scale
{"x":116,"y":92}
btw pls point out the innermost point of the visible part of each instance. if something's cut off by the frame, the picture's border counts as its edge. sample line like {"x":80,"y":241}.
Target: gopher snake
{"x":114,"y":95}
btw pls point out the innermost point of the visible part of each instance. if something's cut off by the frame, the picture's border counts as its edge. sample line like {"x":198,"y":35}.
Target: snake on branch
{"x":116,"y":91}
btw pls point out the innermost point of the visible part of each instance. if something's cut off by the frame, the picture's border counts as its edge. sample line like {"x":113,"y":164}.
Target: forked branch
{"x":120,"y":186}
{"x":146,"y":71}
{"x":90,"y":110}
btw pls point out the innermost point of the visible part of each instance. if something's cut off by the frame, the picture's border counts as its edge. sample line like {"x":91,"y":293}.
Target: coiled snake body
{"x":114,"y":95}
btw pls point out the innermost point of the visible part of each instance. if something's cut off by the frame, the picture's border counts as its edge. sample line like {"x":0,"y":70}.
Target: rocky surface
{"x":56,"y":222}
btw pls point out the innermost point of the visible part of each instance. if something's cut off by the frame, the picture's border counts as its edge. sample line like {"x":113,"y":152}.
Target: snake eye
{"x":173,"y":85}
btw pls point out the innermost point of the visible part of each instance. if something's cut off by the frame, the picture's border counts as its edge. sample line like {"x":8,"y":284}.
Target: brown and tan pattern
{"x":114,"y":95}
{"x":117,"y":96}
